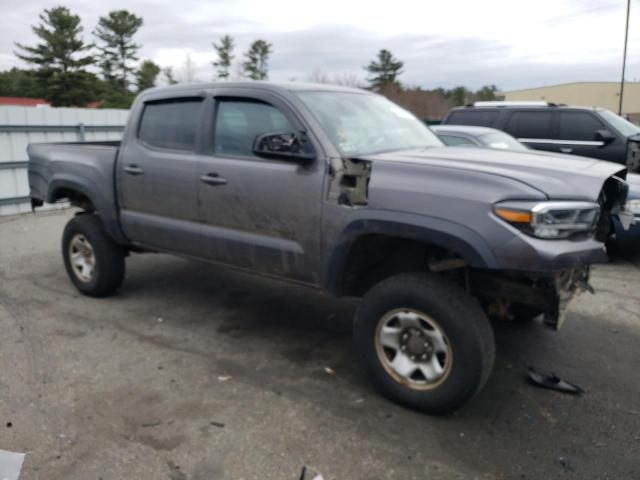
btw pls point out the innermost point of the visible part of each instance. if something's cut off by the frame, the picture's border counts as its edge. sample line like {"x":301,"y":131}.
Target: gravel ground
{"x":193,"y":372}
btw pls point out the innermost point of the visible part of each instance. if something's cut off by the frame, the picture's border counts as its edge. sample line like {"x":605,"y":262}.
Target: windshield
{"x":501,"y":141}
{"x":623,"y":126}
{"x":360,"y":124}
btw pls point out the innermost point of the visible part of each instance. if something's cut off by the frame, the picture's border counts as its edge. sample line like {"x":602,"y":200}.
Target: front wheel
{"x":94,"y":262}
{"x":426,"y":343}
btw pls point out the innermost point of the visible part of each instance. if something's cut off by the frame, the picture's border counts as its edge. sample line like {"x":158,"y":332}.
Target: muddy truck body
{"x":341,"y":190}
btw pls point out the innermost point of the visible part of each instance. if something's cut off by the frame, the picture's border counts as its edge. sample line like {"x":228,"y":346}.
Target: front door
{"x":156,"y":177}
{"x":259,"y":214}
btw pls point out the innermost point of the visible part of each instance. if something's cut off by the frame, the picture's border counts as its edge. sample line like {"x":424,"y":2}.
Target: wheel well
{"x":374,"y":257}
{"x":76,"y":198}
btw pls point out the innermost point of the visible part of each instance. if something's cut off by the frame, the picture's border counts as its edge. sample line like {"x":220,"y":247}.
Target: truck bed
{"x":54,"y":163}
{"x":55,"y":169}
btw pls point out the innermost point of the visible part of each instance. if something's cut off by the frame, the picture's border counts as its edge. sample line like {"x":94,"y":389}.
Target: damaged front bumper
{"x":548,"y":295}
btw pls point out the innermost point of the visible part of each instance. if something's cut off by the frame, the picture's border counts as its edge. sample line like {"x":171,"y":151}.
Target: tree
{"x":118,"y":51}
{"x":60,"y":64}
{"x":256,"y":66}
{"x":224,"y":50}
{"x":168,"y":75}
{"x":385,"y":71}
{"x":20,"y":83}
{"x":146,"y":75}
{"x":487,"y":93}
{"x":458,"y":96}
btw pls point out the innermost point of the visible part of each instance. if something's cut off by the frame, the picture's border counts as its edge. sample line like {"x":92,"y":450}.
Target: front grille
{"x":612,"y":198}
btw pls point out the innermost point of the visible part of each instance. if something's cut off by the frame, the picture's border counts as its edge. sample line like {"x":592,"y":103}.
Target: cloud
{"x":511,"y":44}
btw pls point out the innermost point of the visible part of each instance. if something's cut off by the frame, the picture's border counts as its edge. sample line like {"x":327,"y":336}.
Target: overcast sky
{"x":512,"y":43}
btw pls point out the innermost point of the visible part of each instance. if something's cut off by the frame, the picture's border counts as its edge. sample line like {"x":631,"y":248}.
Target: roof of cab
{"x":258,"y":84}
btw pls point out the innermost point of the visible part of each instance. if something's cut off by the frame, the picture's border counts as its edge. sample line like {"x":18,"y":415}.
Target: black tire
{"x":458,"y":315}
{"x":109,"y":266}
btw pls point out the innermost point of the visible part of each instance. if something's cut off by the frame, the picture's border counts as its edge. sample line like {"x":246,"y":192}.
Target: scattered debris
{"x":359,"y":400}
{"x":151,"y":424}
{"x":216,"y":424}
{"x":159,"y":319}
{"x":10,"y":465}
{"x":329,"y":370}
{"x":552,"y":382}
{"x":224,"y":378}
{"x":307,"y":474}
{"x":9,"y":424}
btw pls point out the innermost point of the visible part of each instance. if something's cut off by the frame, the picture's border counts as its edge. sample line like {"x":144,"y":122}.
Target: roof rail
{"x":514,"y":103}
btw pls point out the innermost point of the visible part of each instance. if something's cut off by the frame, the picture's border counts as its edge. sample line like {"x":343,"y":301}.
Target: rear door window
{"x":171,"y":124}
{"x":578,"y":126}
{"x":530,"y":125}
{"x":476,"y":117}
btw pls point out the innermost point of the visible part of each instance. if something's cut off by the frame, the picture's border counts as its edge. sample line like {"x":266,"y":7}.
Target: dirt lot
{"x":194,"y":372}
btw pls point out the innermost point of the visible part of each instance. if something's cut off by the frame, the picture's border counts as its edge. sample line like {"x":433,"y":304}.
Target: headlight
{"x":550,"y":220}
{"x":633,"y":206}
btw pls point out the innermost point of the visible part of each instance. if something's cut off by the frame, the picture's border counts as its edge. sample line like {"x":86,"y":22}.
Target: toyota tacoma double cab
{"x":341,"y":190}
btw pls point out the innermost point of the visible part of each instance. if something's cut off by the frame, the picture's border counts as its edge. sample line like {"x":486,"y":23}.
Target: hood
{"x":557,"y":176}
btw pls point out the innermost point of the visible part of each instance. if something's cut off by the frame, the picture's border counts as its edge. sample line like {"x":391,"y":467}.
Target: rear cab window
{"x":473,"y":117}
{"x":171,"y":124}
{"x":453,"y":140}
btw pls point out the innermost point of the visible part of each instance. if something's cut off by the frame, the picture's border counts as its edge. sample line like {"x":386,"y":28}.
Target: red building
{"x":24,"y":102}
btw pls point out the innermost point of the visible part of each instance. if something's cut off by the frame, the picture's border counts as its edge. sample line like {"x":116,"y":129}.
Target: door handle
{"x":133,"y":170}
{"x":213,"y":179}
{"x":566,"y":149}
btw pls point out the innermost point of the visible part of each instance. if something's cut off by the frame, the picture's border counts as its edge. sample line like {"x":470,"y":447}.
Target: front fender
{"x":436,"y":231}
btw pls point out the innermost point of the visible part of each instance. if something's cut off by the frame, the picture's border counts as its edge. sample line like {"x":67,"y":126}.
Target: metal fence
{"x":20,"y":126}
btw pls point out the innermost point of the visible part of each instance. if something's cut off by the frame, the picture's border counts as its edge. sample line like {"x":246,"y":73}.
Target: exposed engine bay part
{"x":633,"y":155}
{"x":612,"y":199}
{"x":549,"y":295}
{"x":349,"y":183}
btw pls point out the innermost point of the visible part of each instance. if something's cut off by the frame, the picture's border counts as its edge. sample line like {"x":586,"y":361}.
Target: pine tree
{"x":256,"y":66}
{"x":146,"y":75}
{"x":385,"y":71}
{"x":224,"y":50}
{"x":60,"y":64}
{"x":118,"y":51}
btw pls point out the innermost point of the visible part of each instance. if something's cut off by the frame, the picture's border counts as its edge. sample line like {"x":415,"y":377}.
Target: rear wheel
{"x":425,"y":342}
{"x":94,"y":262}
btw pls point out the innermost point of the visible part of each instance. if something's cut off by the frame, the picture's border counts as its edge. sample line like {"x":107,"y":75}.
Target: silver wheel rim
{"x":413,"y":349}
{"x":82,"y":258}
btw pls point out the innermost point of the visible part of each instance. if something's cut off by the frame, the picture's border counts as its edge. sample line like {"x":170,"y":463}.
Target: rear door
{"x":156,"y":175}
{"x":258,"y":213}
{"x":534,"y":128}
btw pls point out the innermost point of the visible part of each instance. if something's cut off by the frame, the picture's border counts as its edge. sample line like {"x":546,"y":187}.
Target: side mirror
{"x":281,"y":145}
{"x":604,"y":136}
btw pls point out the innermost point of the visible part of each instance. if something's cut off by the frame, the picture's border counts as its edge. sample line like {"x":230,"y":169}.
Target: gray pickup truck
{"x":341,"y":190}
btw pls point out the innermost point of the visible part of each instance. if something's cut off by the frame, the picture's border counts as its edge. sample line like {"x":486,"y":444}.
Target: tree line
{"x":66,"y":70}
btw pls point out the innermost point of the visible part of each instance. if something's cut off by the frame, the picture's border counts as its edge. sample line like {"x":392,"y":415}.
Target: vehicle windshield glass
{"x":623,"y":126}
{"x":501,"y":141}
{"x":360,"y":124}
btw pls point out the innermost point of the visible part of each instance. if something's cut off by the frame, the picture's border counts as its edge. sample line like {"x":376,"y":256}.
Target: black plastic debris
{"x":552,"y":382}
